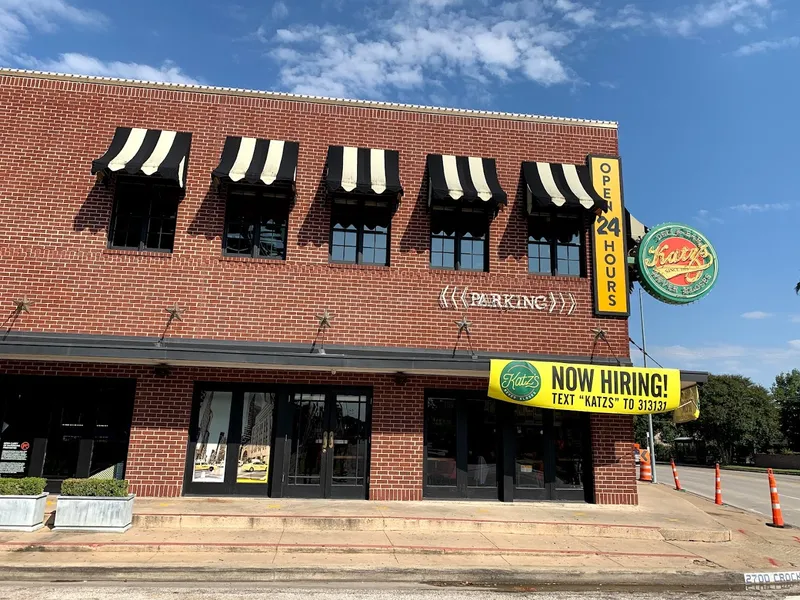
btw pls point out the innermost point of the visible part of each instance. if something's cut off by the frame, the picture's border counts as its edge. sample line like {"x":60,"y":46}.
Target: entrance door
{"x":462,"y":446}
{"x":326,"y":444}
{"x":549,"y":450}
{"x":230,"y":439}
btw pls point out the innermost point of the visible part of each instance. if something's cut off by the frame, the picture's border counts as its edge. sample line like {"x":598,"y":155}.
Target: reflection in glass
{"x":568,"y":430}
{"x":440,"y":424}
{"x":349,"y":441}
{"x":256,"y":438}
{"x":305,"y":463}
{"x":212,"y":437}
{"x":481,"y":443}
{"x":529,"y":458}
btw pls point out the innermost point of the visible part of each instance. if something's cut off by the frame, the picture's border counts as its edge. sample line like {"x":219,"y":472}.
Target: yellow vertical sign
{"x":609,"y":256}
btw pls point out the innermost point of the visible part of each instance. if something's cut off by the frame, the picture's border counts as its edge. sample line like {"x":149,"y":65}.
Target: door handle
{"x":324,"y":441}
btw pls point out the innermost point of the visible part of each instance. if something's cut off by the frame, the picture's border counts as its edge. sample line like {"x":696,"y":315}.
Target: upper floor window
{"x":256,"y":221}
{"x":360,"y":230}
{"x":555,"y":244}
{"x":144,"y":214}
{"x":459,"y":238}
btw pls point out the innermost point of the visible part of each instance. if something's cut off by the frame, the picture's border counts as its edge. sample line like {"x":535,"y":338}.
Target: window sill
{"x":139,"y":253}
{"x":342,"y":265}
{"x":559,"y":277}
{"x":252,"y":259}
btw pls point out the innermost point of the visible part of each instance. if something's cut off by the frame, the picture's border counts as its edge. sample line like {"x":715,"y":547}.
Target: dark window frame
{"x":553,"y":244}
{"x":124,"y":184}
{"x":357,"y":206}
{"x":458,"y":212}
{"x":267,"y":202}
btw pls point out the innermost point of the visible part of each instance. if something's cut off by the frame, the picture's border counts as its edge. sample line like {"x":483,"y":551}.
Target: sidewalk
{"x":176,"y":539}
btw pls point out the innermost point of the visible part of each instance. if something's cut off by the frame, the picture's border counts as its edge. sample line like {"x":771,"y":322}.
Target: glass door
{"x":304,"y":471}
{"x":326,"y":436}
{"x":462,"y":446}
{"x":348,"y":451}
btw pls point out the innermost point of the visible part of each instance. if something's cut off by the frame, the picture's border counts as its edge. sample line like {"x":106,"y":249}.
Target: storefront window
{"x":440,"y":422}
{"x":555,"y":244}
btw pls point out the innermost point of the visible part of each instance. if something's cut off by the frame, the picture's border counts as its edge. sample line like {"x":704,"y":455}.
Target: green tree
{"x":786,"y":392}
{"x":737,"y":418}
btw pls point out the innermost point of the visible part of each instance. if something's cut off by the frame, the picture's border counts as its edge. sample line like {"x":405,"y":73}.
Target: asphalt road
{"x":749,"y":491}
{"x":286,"y":591}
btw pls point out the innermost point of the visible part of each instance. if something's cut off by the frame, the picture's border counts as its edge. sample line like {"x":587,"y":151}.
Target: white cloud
{"x":19,"y":17}
{"x":740,"y":15}
{"x":751,"y":208}
{"x":425,"y":43}
{"x":279,"y":10}
{"x":763,"y":363}
{"x":756,"y":315}
{"x":704,"y":217}
{"x":81,"y":64}
{"x":767,"y":46}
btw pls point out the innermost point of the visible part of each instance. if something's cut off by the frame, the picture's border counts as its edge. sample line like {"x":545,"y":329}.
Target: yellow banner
{"x":586,"y":388}
{"x":609,"y":258}
{"x":689,"y":408}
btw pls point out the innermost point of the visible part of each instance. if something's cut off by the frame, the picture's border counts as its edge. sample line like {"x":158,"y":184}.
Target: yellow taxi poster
{"x":585,"y":388}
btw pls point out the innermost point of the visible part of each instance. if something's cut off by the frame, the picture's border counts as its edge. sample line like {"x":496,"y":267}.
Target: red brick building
{"x":313,"y":319}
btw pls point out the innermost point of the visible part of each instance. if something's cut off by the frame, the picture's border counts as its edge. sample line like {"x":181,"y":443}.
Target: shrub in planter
{"x":105,"y":488}
{"x":22,"y":504}
{"x":94,"y":505}
{"x":25,"y":486}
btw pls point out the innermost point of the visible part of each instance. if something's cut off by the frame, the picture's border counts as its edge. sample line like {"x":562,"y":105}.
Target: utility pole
{"x":650,"y":439}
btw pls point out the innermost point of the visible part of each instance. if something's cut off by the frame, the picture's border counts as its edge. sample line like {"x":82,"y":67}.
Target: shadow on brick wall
{"x":316,"y":224}
{"x":513,"y":241}
{"x":95,"y":212}
{"x":209,"y":220}
{"x":416,"y":236}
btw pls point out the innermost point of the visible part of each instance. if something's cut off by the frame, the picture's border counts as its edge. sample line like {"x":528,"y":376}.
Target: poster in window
{"x":256,"y":436}
{"x":212,"y":437}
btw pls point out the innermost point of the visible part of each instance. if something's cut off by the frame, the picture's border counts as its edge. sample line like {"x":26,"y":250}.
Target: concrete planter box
{"x":88,"y":513}
{"x":22,"y":513}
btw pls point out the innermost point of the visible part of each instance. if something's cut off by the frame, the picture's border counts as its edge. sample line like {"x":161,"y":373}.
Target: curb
{"x":472,"y":578}
{"x":258,"y":547}
{"x":299,"y":523}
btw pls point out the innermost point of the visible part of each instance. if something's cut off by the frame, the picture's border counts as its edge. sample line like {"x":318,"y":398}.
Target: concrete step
{"x":294,"y":523}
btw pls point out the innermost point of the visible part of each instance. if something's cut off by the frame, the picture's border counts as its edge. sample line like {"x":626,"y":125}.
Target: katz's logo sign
{"x":677,"y":264}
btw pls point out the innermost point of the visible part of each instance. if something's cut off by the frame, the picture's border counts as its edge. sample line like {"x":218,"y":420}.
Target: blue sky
{"x":705,"y":93}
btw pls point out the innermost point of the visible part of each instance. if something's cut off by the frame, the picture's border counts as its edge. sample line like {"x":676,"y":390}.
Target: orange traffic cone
{"x":718,"y":490}
{"x":645,"y":470}
{"x":675,"y":475}
{"x":777,"y":514}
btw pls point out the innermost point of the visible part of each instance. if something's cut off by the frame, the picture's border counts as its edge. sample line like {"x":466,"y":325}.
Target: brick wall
{"x":159,"y":429}
{"x":612,"y":454}
{"x":54,"y":219}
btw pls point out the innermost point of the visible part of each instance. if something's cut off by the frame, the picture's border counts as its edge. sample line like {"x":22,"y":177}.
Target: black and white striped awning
{"x":560,"y":185}
{"x":364,"y":170}
{"x":636,"y":229}
{"x":463,"y":178}
{"x":258,"y":161}
{"x":147,"y":152}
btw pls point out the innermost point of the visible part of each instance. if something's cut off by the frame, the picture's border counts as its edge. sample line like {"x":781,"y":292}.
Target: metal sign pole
{"x":650,"y":439}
